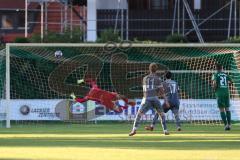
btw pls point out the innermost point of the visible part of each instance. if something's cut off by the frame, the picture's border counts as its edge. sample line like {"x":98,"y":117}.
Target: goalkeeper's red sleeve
{"x":81,"y":100}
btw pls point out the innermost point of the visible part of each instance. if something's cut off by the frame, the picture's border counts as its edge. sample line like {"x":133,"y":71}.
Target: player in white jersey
{"x":152,"y":88}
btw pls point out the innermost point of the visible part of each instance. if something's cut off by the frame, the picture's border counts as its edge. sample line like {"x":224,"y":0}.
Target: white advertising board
{"x":191,"y":109}
{"x":32,"y":109}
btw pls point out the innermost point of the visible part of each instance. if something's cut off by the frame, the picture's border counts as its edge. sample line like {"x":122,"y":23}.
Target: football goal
{"x":36,"y":80}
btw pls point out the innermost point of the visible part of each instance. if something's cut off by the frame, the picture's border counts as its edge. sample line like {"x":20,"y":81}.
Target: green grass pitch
{"x":111,"y":142}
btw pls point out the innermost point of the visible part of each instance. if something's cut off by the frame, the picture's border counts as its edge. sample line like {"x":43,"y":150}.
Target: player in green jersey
{"x":220,"y":81}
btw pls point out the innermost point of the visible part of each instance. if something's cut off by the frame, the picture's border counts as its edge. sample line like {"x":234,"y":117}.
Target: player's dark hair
{"x":168,"y":74}
{"x":219,"y":67}
{"x":153,"y":67}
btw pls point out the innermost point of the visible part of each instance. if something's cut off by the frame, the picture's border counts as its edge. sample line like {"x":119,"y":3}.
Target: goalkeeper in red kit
{"x":110,"y":100}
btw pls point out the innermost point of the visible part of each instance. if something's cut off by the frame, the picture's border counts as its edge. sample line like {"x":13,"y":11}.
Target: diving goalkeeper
{"x":110,"y":100}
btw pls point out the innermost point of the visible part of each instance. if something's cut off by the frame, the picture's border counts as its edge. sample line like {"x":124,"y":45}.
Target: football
{"x":58,"y":54}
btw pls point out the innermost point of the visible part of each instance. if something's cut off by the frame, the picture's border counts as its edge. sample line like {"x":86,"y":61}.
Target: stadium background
{"x":38,"y":78}
{"x":217,"y":20}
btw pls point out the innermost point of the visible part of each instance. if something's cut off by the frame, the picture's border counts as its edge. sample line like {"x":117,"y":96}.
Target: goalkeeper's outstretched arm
{"x":90,"y":82}
{"x":75,"y":98}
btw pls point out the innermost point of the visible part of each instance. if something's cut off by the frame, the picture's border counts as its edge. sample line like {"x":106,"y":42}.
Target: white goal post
{"x":8,"y":124}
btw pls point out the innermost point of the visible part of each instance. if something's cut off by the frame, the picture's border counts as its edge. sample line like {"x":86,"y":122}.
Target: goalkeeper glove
{"x":80,"y":81}
{"x":72,"y":95}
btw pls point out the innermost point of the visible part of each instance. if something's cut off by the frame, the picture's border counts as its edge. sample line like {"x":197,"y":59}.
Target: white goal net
{"x":37,"y":79}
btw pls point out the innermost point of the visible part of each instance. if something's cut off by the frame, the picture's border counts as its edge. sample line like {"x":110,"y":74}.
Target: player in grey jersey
{"x":171,"y":89}
{"x":152,"y":88}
